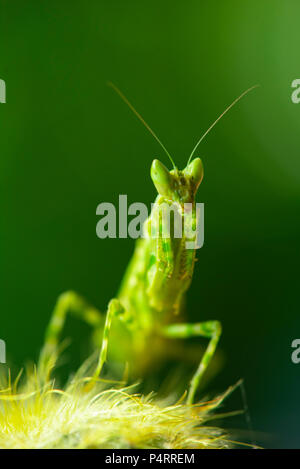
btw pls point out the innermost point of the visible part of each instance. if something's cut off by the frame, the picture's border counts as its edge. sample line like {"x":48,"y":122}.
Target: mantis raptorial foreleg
{"x":72,"y":302}
{"x":210,"y":329}
{"x":164,"y":252}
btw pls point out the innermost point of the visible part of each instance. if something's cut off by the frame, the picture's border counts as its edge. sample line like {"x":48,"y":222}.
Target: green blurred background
{"x":69,"y":143}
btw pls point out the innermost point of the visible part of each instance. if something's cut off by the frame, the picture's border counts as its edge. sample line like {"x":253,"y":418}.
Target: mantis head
{"x":180,"y":186}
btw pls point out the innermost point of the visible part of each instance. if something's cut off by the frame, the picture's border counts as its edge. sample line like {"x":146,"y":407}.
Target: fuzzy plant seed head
{"x":37,"y":414}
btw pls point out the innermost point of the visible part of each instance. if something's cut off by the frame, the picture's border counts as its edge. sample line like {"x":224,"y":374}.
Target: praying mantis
{"x":146,"y":312}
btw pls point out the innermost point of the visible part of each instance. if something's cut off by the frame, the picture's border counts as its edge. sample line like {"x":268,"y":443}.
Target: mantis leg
{"x":163,"y":250}
{"x":72,"y":302}
{"x":210,"y":329}
{"x":114,"y":309}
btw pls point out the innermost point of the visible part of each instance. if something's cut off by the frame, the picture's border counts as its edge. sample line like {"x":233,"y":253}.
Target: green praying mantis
{"x":145,"y":314}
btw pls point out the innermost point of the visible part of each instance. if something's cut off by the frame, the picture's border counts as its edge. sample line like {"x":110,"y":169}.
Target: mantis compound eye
{"x":194,"y":171}
{"x":161,"y":178}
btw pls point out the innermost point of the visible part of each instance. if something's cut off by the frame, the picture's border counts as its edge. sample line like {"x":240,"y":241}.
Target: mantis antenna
{"x":141,"y":119}
{"x":217,"y":120}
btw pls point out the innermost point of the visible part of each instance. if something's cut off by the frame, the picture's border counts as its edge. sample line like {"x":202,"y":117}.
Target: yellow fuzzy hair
{"x":35,"y":414}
